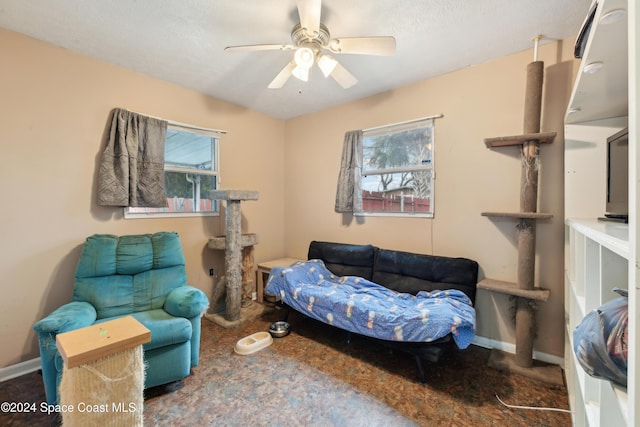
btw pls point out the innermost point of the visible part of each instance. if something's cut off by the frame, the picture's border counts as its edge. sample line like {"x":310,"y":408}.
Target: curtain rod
{"x":435,"y":116}
{"x":183,"y":125}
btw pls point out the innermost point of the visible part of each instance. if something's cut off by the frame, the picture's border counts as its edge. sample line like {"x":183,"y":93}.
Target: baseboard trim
{"x":22,"y":368}
{"x":511,"y":348}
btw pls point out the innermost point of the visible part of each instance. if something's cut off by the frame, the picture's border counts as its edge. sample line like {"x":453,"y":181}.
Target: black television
{"x":617,"y":207}
{"x":583,"y":36}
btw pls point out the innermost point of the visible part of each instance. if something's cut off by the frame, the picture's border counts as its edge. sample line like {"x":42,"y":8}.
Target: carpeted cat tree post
{"x":524,"y":291}
{"x":525,"y":322}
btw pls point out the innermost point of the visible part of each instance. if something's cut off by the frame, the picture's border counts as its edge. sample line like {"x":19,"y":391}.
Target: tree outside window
{"x":397,"y":169}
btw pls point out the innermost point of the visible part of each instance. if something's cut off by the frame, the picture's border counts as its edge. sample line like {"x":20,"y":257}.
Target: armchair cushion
{"x":68,"y":317}
{"x":97,"y":259}
{"x":106,"y":254}
{"x":127,"y":274}
{"x":186,"y":301}
{"x":166,"y":330}
{"x":110,"y":295}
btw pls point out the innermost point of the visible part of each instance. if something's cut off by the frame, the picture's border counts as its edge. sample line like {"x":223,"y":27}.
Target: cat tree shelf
{"x":220,"y":242}
{"x":510,"y":141}
{"x":510,"y":288}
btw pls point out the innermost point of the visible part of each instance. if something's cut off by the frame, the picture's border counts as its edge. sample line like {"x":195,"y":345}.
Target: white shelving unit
{"x":599,"y":255}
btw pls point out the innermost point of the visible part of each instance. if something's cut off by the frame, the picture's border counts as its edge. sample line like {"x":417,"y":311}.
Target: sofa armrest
{"x":68,"y":317}
{"x":186,"y":301}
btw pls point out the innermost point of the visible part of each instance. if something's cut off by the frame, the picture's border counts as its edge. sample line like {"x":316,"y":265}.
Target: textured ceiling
{"x":183,"y":41}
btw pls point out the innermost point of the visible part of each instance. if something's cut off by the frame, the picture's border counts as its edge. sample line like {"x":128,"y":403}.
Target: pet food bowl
{"x":253,"y":343}
{"x":279,"y":329}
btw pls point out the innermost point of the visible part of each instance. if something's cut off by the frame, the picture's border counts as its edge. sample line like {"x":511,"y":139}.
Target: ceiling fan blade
{"x":282,"y":76}
{"x":384,"y":45}
{"x":309,"y":12}
{"x":258,"y":47}
{"x":343,"y":77}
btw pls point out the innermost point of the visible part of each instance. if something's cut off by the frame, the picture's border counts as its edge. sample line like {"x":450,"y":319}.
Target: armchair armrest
{"x":68,"y":317}
{"x":186,"y":301}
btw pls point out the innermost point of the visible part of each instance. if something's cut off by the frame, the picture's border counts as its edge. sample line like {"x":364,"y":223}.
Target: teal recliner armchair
{"x":139,"y":275}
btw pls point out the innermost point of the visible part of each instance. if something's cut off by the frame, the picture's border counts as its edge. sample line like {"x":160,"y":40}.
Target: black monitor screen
{"x":618,"y":174}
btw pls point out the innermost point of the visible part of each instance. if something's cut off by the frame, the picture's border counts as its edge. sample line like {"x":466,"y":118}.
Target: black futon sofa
{"x":403,"y":272}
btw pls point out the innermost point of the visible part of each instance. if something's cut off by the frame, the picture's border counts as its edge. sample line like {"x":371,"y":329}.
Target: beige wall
{"x":482,"y":101}
{"x":54,"y":107}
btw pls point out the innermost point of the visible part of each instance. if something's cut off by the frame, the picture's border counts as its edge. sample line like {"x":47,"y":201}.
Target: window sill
{"x":397,"y":215}
{"x":168,"y":215}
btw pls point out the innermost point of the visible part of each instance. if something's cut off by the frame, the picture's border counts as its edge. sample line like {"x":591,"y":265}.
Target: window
{"x":397,"y":169}
{"x":190,"y":172}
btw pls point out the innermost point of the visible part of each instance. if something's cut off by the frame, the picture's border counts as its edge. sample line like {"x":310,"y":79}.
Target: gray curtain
{"x":132,"y":165}
{"x":349,"y":193}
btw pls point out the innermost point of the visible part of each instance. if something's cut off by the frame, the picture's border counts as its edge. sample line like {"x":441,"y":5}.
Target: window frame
{"x":215,"y":135}
{"x":430,"y":166}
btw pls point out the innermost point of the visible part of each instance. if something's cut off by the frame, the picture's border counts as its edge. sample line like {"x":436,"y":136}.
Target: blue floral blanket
{"x":361,"y":306}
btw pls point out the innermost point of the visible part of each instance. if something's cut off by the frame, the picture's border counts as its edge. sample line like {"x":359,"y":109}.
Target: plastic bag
{"x":600,"y":340}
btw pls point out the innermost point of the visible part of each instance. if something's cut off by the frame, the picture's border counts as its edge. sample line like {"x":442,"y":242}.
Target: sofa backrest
{"x":411,"y":273}
{"x":343,"y":259}
{"x":401,"y":271}
{"x":126,"y":274}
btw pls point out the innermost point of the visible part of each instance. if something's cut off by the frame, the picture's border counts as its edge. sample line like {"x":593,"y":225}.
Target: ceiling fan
{"x":311,"y":39}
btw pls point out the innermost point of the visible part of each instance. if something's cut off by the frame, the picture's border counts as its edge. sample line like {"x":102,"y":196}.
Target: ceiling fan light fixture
{"x":327,"y":64}
{"x":301,"y":73}
{"x":304,"y":57}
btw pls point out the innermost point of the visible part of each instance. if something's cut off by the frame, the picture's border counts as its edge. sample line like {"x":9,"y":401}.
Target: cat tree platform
{"x":220,"y":242}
